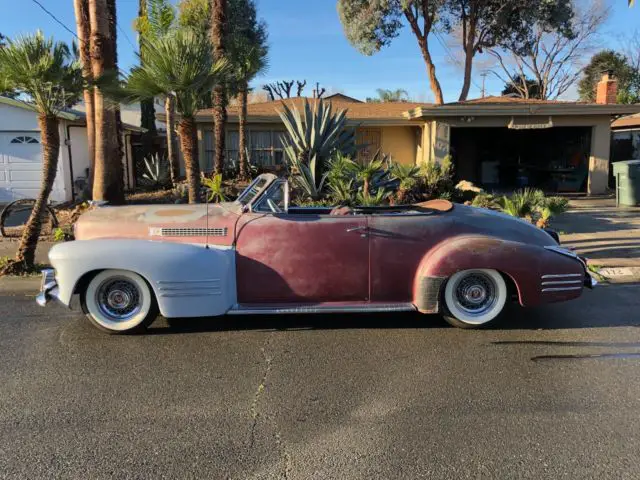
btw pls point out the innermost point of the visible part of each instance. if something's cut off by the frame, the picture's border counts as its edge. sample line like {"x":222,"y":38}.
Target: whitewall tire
{"x":473,"y":298}
{"x":119,"y":301}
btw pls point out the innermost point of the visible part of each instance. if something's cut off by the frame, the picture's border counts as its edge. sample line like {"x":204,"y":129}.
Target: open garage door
{"x":553,"y":159}
{"x":21,"y":167}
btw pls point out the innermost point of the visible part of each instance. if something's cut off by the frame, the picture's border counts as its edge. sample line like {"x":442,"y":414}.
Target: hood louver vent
{"x":188,"y":232}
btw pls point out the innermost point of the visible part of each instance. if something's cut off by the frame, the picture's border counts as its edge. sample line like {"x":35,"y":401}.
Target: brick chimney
{"x":607,"y":88}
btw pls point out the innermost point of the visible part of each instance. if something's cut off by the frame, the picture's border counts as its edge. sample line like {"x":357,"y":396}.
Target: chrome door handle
{"x":355,"y":229}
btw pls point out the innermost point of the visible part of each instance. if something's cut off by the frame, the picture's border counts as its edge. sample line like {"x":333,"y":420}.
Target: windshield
{"x":254,"y":188}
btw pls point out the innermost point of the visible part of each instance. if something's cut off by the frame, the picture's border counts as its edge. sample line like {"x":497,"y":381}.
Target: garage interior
{"x":501,"y":159}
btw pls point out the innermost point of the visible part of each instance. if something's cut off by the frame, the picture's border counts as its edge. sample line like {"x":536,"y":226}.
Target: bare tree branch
{"x":553,"y":60}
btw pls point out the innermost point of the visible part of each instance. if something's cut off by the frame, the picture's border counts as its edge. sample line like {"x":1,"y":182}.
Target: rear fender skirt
{"x":187,"y":280}
{"x":521,"y":263}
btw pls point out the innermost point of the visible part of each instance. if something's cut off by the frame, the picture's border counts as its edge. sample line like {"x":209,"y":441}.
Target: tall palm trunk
{"x":50,"y":140}
{"x":242,"y":135}
{"x":218,"y":27}
{"x":107,"y":182}
{"x":147,"y":109}
{"x":112,"y":64}
{"x":189,"y":143}
{"x":172,"y":154}
{"x":82,"y":25}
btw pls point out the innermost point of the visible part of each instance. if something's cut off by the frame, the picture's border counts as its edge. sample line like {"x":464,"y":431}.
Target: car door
{"x":302,"y":258}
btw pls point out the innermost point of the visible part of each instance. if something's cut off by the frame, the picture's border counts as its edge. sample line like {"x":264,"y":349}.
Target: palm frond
{"x":45,"y":71}
{"x":179,"y":64}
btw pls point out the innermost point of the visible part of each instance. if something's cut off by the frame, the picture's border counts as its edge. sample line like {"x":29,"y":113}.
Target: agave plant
{"x":156,"y":172}
{"x":309,"y":177}
{"x":312,"y":137}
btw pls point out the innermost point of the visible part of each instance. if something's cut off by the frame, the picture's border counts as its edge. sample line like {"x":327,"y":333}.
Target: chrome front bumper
{"x":48,"y":288}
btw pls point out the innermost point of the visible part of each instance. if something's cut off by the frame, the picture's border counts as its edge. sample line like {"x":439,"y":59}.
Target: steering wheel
{"x":272,"y":205}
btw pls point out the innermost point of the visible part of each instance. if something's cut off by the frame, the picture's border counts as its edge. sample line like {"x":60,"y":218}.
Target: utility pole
{"x":484,"y":76}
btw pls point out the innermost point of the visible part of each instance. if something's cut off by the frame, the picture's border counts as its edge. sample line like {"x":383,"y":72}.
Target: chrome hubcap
{"x":119,"y":298}
{"x":475,"y":293}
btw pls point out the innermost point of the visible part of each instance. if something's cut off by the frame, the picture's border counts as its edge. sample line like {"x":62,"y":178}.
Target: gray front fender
{"x":188,"y":280}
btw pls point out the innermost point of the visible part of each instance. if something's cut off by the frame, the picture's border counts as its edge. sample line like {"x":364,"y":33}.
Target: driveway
{"x":351,"y":397}
{"x":607,"y":235}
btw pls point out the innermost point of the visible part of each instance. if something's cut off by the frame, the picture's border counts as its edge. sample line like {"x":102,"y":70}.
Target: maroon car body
{"x":291,"y":259}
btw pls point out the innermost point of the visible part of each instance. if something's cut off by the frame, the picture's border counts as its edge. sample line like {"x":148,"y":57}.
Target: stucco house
{"x":497,"y":142}
{"x":21,"y":153}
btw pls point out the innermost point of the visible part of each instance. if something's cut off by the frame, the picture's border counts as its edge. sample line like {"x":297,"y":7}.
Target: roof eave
{"x":529,"y":109}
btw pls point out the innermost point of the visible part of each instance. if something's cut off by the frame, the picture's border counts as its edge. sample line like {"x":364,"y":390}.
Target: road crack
{"x":255,"y":404}
{"x":258,"y":413}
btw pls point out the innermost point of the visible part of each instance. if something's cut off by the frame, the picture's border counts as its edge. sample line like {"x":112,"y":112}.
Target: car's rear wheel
{"x":119,"y":301}
{"x":473,"y":298}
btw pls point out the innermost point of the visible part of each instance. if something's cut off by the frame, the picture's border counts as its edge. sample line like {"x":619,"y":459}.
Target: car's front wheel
{"x":119,"y":301}
{"x":473,"y":298}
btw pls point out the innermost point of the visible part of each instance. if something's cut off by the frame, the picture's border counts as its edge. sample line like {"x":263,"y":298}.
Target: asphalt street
{"x":549,"y":393}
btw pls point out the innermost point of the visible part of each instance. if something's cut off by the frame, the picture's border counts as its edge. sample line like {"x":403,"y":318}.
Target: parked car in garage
{"x":260,"y":255}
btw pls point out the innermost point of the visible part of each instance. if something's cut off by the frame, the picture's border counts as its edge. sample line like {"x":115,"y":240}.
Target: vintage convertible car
{"x":258,"y":255}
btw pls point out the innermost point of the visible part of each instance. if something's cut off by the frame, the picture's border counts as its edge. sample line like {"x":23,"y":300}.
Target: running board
{"x":244,"y":309}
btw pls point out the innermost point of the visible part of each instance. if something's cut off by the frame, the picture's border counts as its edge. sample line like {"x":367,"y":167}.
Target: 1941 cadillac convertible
{"x":259,"y":255}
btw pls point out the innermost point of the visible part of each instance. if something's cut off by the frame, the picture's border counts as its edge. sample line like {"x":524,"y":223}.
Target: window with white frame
{"x":24,"y":139}
{"x":264,"y":147}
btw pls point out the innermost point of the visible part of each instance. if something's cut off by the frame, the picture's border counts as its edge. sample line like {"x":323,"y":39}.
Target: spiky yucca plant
{"x":312,"y":137}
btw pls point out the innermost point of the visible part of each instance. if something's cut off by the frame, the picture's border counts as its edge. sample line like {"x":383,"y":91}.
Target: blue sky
{"x":306,"y":42}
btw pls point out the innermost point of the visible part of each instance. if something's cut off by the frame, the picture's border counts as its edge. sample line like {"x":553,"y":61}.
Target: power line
{"x":59,"y":22}
{"x":126,"y":36}
{"x":55,"y":18}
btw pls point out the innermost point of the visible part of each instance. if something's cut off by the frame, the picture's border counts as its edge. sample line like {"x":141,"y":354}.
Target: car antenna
{"x":206,"y":233}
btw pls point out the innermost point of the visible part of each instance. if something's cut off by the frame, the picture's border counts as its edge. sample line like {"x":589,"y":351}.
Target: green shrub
{"x":214,"y":185}
{"x":63,"y":234}
{"x":532,"y":205}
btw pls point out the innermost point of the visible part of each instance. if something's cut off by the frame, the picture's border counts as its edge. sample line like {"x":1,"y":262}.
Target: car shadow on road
{"x":514,"y":318}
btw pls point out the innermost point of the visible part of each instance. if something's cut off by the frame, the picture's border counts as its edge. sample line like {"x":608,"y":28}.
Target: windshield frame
{"x":249,"y":195}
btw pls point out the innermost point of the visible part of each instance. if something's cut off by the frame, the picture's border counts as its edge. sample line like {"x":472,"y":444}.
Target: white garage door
{"x":21,"y":167}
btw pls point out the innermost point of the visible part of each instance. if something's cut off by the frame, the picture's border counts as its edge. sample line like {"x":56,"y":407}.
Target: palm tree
{"x":384,"y":95}
{"x":218,"y":23}
{"x":48,"y":75}
{"x":156,"y":21}
{"x":248,"y":64}
{"x":108,"y":178}
{"x":181,"y":66}
{"x":81,"y":8}
{"x":366,"y":172}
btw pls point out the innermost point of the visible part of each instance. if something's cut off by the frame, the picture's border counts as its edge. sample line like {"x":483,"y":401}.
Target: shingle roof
{"x":355,"y":110}
{"x":501,"y":100}
{"x":630,"y":121}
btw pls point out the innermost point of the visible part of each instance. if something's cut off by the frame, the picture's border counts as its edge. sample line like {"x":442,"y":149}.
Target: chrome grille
{"x":189,"y":232}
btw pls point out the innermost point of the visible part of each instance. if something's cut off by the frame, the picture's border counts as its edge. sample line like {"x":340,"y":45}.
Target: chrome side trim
{"x":560,"y":289}
{"x":562,"y":251}
{"x":301,"y":309}
{"x":189,"y":288}
{"x":190,"y":294}
{"x":562,"y":282}
{"x":561,"y":275}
